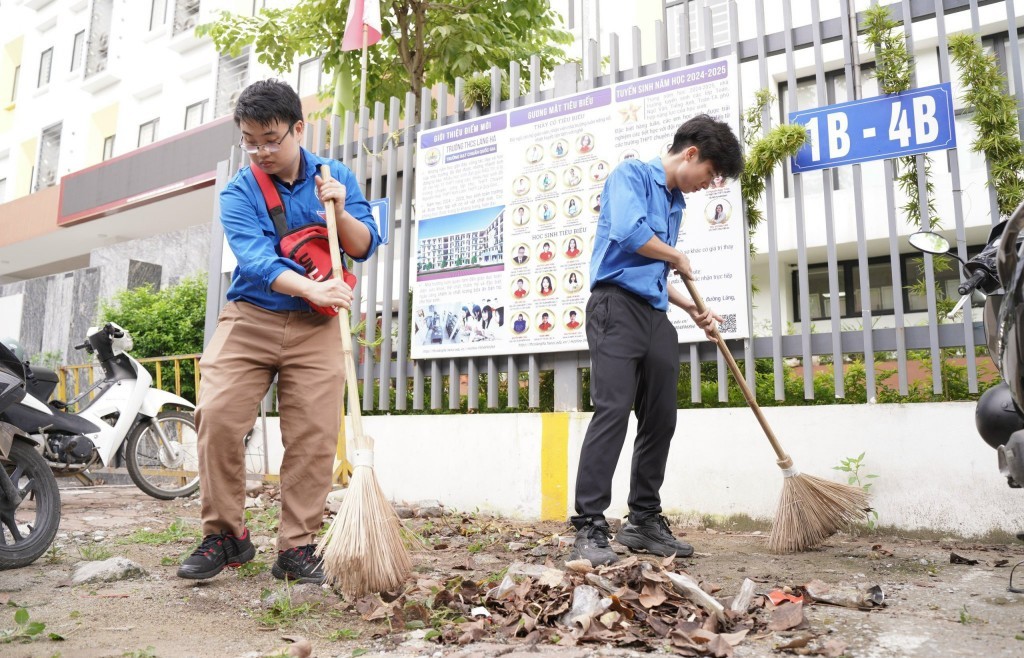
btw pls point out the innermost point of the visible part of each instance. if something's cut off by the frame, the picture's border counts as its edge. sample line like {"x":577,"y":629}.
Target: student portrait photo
{"x":573,"y":281}
{"x":545,"y":286}
{"x":519,"y":288}
{"x":572,"y":247}
{"x":520,"y":255}
{"x":559,"y":148}
{"x":585,"y":143}
{"x":546,"y":254}
{"x":521,"y":186}
{"x":573,"y":319}
{"x":534,"y":153}
{"x":599,"y":171}
{"x":572,"y":177}
{"x":544,"y":321}
{"x":519,"y":325}
{"x":520,"y":216}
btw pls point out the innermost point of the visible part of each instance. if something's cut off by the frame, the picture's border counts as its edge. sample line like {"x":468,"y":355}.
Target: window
{"x":309,"y":77}
{"x":186,"y":15}
{"x":836,"y":91}
{"x":77,"y":50}
{"x":157,"y":14}
{"x":14,"y":85}
{"x":232,"y":74}
{"x":880,"y":286}
{"x":148,"y":132}
{"x":674,"y":10}
{"x":45,"y":63}
{"x":108,"y":147}
{"x":49,"y":154}
{"x":195,"y":114}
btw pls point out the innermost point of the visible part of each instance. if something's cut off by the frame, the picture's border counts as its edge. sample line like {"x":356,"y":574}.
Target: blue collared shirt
{"x":636,"y":205}
{"x":254,"y":241}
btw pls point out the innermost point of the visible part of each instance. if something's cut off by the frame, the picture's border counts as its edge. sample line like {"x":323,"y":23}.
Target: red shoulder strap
{"x":272,"y":198}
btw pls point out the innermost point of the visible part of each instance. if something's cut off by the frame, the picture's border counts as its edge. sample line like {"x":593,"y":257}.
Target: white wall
{"x":934,"y":471}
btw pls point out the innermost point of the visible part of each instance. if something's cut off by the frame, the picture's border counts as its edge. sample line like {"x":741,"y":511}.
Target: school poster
{"x":507,"y":206}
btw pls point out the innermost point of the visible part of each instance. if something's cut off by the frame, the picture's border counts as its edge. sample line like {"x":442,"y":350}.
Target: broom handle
{"x":784,"y":460}
{"x":343,"y":321}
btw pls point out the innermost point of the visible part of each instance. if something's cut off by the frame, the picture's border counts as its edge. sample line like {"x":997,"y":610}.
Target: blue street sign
{"x":381,"y":210}
{"x":907,"y":123}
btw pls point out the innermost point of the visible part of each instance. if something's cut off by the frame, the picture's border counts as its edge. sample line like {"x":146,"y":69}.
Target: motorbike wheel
{"x":159,"y":473}
{"x":27,"y":528}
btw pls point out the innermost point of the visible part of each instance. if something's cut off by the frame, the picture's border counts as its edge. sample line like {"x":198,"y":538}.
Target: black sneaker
{"x":651,"y":535}
{"x":216,"y":552}
{"x":592,"y":544}
{"x":299,"y":564}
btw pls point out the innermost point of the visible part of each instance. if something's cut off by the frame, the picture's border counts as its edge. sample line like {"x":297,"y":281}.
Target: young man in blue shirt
{"x":634,"y":351}
{"x":267,"y":328}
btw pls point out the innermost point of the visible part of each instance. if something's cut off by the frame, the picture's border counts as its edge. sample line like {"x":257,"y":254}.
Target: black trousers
{"x":634,"y":363}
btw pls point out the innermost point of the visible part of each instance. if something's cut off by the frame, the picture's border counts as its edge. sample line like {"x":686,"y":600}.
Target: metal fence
{"x":382,"y":153}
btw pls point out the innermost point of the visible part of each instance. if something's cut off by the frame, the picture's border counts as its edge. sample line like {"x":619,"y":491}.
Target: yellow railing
{"x":72,"y":376}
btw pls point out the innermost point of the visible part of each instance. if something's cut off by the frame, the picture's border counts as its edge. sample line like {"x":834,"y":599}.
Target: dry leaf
{"x":734,"y":638}
{"x":786,"y":616}
{"x":299,"y":647}
{"x":796,"y":642}
{"x":652,"y":597}
{"x":472,"y":631}
{"x":579,"y":566}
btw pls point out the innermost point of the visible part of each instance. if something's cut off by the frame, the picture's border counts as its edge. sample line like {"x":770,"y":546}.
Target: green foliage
{"x":94,"y":552}
{"x":764,"y":153}
{"x":178,"y":531}
{"x":478,"y":90}
{"x":168,"y":322}
{"x":426,"y":42}
{"x":24,"y":630}
{"x":342,"y":634}
{"x":852,"y":467}
{"x":894,"y":68}
{"x":282,"y":611}
{"x":994,"y":117}
{"x":148,"y":652}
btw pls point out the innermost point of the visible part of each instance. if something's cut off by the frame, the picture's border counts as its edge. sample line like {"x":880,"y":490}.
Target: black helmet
{"x":996,"y":416}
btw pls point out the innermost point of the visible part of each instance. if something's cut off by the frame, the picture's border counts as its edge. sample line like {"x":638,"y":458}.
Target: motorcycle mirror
{"x":929,"y":242}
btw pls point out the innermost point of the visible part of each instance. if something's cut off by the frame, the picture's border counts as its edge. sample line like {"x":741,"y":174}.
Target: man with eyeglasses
{"x":268,"y":328}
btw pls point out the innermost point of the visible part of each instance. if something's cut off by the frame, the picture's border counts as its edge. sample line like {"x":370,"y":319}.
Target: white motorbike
{"x":160,"y":446}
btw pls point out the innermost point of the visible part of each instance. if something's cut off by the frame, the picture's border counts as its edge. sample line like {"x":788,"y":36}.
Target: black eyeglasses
{"x":269,"y":147}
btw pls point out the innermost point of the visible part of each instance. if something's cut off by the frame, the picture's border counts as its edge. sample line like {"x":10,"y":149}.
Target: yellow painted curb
{"x":554,"y":466}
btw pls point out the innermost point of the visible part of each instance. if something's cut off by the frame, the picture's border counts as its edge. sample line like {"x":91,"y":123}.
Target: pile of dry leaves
{"x":642,"y":604}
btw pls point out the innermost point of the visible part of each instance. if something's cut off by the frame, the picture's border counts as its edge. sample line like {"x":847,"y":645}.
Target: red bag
{"x":307,"y":245}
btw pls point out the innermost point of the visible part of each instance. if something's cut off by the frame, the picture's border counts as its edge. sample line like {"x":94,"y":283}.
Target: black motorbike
{"x":998,"y":272}
{"x":29,"y":497}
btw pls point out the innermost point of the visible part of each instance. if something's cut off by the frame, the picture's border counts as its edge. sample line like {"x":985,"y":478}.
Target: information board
{"x":507,"y":206}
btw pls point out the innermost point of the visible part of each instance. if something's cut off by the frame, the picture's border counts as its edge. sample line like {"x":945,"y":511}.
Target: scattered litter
{"x":741,"y":602}
{"x":955,"y":558}
{"x":850,"y":596}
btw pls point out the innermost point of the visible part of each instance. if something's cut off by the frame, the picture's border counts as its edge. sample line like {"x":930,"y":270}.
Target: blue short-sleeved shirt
{"x":254,"y":241}
{"x":636,"y":205}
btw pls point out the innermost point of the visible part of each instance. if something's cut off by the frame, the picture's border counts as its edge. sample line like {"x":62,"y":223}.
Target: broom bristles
{"x":811,"y":510}
{"x":363,"y":551}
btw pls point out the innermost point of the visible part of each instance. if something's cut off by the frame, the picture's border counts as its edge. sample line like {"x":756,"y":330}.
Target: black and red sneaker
{"x":216,"y":552}
{"x":299,"y":564}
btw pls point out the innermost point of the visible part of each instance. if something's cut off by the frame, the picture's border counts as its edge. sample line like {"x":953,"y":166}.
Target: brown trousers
{"x":250,"y":345}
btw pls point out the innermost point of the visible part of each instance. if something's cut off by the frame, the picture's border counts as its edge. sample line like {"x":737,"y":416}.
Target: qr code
{"x":728,"y":324}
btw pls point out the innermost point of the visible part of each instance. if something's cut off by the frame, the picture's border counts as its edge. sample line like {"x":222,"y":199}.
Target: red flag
{"x":361,"y":12}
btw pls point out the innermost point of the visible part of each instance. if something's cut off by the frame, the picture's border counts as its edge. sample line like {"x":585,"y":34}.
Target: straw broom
{"x":811,"y":509}
{"x":363,"y":550}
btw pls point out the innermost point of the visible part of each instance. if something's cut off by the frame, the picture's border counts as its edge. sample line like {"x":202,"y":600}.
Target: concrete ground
{"x":933,"y":608}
